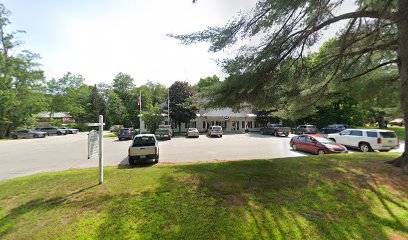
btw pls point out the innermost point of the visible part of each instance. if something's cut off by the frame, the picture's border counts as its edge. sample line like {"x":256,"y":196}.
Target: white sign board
{"x":93,"y":146}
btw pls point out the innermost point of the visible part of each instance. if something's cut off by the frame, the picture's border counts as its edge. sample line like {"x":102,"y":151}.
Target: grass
{"x":400,"y":131}
{"x":110,"y":135}
{"x":354,"y":196}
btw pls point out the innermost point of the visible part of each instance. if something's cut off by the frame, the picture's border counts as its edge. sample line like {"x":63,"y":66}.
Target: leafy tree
{"x":21,"y":81}
{"x":124,"y":87}
{"x":115,"y":111}
{"x":152,"y":118}
{"x":207,"y":82}
{"x":122,"y":84}
{"x":277,"y":70}
{"x":98,"y":105}
{"x":181,"y":110}
{"x":70,"y":94}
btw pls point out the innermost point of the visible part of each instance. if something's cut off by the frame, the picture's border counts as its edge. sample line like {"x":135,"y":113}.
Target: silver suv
{"x":215,"y":131}
{"x":52,"y":130}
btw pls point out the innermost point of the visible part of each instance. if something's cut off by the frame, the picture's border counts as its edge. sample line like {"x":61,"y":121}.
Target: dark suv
{"x":126,"y":133}
{"x":305,"y":129}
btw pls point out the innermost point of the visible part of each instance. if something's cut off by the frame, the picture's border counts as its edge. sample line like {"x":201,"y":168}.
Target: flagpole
{"x":168,"y":106}
{"x":140,"y":111}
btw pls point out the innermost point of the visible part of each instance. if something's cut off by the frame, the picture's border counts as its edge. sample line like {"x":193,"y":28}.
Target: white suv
{"x":366,"y":140}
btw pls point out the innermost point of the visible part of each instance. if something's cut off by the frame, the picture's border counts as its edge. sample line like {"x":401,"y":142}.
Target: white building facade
{"x":229,"y":120}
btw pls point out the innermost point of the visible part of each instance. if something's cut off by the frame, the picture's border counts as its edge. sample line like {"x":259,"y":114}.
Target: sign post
{"x":92,"y":138}
{"x":100,"y":149}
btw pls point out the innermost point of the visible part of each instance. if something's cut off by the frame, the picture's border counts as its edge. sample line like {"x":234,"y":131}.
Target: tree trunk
{"x":179,"y":125}
{"x":402,"y":161}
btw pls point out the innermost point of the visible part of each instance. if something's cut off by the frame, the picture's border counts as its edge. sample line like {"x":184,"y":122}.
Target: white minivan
{"x":366,"y":140}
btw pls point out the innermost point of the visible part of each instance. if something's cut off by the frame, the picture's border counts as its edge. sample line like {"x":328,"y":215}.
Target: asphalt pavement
{"x":55,"y":153}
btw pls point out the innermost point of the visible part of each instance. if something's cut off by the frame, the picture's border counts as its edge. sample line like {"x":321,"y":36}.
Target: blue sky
{"x":100,"y":38}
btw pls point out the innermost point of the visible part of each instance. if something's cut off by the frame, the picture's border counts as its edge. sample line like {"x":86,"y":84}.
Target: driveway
{"x":55,"y":153}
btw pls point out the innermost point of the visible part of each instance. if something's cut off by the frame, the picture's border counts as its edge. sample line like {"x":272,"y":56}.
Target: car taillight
{"x":379,"y":140}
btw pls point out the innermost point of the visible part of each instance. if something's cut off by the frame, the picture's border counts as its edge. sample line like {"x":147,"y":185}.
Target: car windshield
{"x":192,"y":129}
{"x":324,"y":140}
{"x":217,"y":128}
{"x":388,"y":134}
{"x":143,"y":141}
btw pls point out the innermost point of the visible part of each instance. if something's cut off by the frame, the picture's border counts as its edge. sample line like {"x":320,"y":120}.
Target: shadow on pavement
{"x":124,"y":164}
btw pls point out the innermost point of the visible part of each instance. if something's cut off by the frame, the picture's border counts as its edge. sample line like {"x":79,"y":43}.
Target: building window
{"x":204,"y":124}
{"x":243,"y":124}
{"x":193,"y":124}
{"x":257,"y":124}
{"x":250,"y":124}
{"x":212,"y":123}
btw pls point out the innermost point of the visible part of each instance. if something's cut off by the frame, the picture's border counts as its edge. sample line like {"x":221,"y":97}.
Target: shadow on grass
{"x":302,"y":198}
{"x":253,"y":200}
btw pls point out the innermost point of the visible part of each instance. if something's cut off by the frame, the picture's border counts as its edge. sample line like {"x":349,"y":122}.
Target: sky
{"x":100,"y":38}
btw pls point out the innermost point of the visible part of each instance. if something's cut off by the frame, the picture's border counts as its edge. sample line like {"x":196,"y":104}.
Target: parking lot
{"x":55,"y":153}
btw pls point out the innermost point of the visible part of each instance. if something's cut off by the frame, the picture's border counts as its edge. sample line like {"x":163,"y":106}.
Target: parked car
{"x":52,"y":130}
{"x":144,"y":147}
{"x":126,"y":133}
{"x":71,"y":130}
{"x":276,"y":130}
{"x":334,"y":128}
{"x":397,"y":122}
{"x":115,"y":128}
{"x":305,"y":129}
{"x":316,"y":144}
{"x":215,"y":131}
{"x":193,"y":132}
{"x":168,"y":127}
{"x":367,"y":140}
{"x":163,"y":133}
{"x":28,"y":134}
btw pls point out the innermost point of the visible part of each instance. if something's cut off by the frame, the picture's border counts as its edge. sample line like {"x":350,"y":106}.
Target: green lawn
{"x":110,"y":135}
{"x":353,"y":196}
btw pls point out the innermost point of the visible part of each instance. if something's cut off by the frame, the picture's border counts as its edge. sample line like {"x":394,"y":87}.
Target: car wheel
{"x":294,"y":147}
{"x":35,"y":136}
{"x":120,"y":139}
{"x":286,"y":134}
{"x":220,"y":136}
{"x":320,"y":152}
{"x":156,"y":160}
{"x":365,"y":147}
{"x":59,"y":133}
{"x":14,"y":136}
{"x":132,"y":161}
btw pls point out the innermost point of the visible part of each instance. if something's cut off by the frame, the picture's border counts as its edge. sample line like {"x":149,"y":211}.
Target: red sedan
{"x":316,"y":144}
